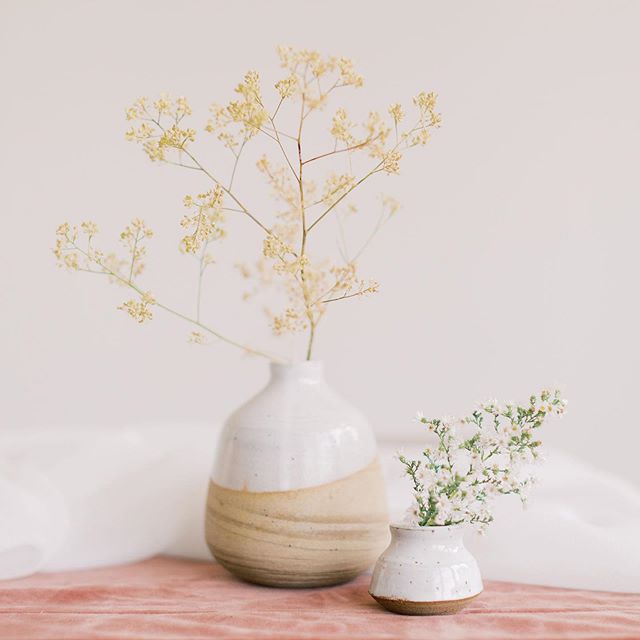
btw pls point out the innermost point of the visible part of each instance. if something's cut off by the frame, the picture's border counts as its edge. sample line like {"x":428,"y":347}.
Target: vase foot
{"x":435,"y":608}
{"x":296,"y":579}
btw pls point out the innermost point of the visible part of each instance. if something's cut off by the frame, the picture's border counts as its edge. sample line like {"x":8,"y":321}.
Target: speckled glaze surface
{"x":425,"y":571}
{"x":296,"y":496}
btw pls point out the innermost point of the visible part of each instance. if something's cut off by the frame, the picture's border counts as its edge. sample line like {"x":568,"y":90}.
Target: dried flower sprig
{"x":477,"y":458}
{"x":310,"y":282}
{"x":77,"y":256}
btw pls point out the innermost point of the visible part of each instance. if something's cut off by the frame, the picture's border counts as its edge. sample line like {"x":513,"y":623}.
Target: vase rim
{"x":300,"y":364}
{"x":405,"y":526}
{"x":307,"y":370}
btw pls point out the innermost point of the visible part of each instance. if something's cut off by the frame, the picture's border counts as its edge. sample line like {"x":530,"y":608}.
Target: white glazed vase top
{"x":295,"y":433}
{"x":426,"y":565}
{"x":296,"y":495}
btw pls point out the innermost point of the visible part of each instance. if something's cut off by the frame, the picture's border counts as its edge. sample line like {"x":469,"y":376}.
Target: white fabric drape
{"x":71,"y":499}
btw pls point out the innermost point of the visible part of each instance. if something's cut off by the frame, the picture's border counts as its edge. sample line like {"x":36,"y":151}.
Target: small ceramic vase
{"x":425,"y":571}
{"x":297,"y":496}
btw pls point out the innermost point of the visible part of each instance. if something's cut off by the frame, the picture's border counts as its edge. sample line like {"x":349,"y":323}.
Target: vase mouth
{"x":441,"y":528}
{"x":307,"y":370}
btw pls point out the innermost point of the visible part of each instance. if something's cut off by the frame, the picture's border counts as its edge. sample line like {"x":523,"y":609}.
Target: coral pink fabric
{"x":167,"y":598}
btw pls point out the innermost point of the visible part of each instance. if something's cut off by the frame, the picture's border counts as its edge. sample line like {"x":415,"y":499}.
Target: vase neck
{"x":309,"y":371}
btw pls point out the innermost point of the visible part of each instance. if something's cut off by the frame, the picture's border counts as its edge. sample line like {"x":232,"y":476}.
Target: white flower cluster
{"x":477,"y":458}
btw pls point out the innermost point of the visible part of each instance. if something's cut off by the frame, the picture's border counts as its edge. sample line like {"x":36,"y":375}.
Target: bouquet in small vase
{"x":427,"y":569}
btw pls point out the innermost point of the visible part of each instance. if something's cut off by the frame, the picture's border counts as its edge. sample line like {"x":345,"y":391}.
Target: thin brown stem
{"x":133,"y":254}
{"x":345,"y":296}
{"x":344,"y":195}
{"x":345,"y":149}
{"x":312,"y":335}
{"x":281,"y":133}
{"x":303,"y":242}
{"x":277,"y":135}
{"x":235,"y":164}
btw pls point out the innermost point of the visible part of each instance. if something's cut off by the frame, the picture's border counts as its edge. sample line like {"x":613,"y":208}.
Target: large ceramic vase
{"x":426,"y":571}
{"x":296,"y":497}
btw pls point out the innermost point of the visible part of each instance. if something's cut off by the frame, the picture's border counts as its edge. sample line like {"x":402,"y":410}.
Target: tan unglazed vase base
{"x":309,"y":537}
{"x":436,"y":608}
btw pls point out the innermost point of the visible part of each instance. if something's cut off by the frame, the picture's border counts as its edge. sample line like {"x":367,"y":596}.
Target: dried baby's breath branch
{"x":229,"y":193}
{"x":131,"y":237}
{"x":68,"y":251}
{"x":388,"y":163}
{"x":205,"y":260}
{"x":288,"y":251}
{"x":170,"y":141}
{"x":347,"y":282}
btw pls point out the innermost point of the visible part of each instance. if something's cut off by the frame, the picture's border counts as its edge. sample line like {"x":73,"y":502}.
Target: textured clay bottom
{"x":435,"y":608}
{"x":310,"y":537}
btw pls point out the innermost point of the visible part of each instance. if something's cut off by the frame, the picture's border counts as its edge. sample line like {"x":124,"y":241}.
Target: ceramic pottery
{"x":425,"y":571}
{"x":296,"y":497}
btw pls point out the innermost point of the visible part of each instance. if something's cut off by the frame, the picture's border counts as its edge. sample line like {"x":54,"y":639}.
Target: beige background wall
{"x":513,"y":264}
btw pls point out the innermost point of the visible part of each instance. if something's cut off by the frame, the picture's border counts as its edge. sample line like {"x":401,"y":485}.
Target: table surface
{"x":166,"y":598}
